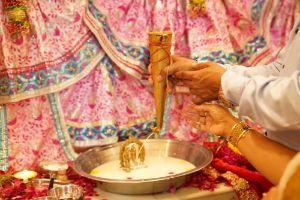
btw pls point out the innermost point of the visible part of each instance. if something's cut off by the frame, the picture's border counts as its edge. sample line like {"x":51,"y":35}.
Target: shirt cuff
{"x":233,"y":85}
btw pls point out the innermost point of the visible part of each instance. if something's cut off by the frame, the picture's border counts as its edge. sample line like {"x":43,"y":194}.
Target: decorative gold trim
{"x":106,"y":76}
{"x":241,"y":186}
{"x":90,"y":124}
{"x":52,"y":89}
{"x":61,"y":129}
{"x":107,"y":123}
{"x":135,"y":122}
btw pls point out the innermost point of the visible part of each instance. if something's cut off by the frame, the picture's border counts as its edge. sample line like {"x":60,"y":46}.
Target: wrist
{"x":229,"y":124}
{"x":238,"y":131}
{"x":223,"y":100}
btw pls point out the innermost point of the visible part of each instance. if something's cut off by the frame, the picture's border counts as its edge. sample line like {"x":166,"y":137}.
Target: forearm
{"x":268,"y":157}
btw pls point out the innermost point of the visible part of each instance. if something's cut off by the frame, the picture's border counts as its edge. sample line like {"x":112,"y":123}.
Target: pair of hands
{"x":203,"y":81}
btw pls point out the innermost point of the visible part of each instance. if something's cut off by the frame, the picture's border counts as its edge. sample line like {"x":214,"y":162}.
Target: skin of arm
{"x":268,"y":157}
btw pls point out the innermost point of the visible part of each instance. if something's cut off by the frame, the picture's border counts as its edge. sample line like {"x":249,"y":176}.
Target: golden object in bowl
{"x":194,"y":153}
{"x":132,"y":153}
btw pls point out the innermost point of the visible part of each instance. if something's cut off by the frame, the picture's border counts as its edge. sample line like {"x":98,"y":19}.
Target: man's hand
{"x":202,"y":79}
{"x":178,"y":64}
{"x":204,"y":83}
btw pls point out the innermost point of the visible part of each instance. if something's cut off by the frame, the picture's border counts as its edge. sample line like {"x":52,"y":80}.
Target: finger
{"x":205,"y":107}
{"x":199,"y":126}
{"x":176,"y":58}
{"x":149,"y":69}
{"x":194,"y":114}
{"x":171,"y":86}
{"x":202,"y":120}
{"x":188,"y":83}
{"x":190,"y":109}
{"x":172,"y":69}
{"x":203,"y":65}
{"x":185,"y":75}
{"x":197,"y":100}
{"x":150,"y":80}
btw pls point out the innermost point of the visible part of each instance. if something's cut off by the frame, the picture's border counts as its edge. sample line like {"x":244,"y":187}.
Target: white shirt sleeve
{"x":273,"y":102}
{"x":271,"y":69}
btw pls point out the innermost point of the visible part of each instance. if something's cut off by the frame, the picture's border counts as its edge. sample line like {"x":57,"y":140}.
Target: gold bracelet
{"x":238,"y":131}
{"x":242,"y":135}
{"x":223,"y":100}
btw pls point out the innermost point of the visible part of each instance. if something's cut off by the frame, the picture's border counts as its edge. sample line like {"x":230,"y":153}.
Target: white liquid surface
{"x":155,"y":167}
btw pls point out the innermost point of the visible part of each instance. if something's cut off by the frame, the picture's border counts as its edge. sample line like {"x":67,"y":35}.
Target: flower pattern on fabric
{"x":46,"y":78}
{"x":34,"y":140}
{"x":239,"y":56}
{"x":239,"y":30}
{"x":108,"y":103}
{"x":105,"y":104}
{"x":57,"y":28}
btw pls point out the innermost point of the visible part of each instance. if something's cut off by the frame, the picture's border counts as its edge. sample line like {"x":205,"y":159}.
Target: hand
{"x":271,"y":195}
{"x":211,"y":118}
{"x":203,"y":83}
{"x":179,"y":64}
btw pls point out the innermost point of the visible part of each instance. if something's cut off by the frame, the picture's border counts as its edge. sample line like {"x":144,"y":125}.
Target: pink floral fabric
{"x":232,"y":31}
{"x":56,"y":29}
{"x":105,"y":98}
{"x":32,"y":136}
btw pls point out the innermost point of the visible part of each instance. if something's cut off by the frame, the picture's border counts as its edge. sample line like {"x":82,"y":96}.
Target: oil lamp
{"x":25,"y":175}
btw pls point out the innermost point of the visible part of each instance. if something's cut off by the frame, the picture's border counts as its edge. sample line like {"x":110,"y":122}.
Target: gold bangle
{"x":242,"y":135}
{"x":238,"y":131}
{"x":223,"y":100}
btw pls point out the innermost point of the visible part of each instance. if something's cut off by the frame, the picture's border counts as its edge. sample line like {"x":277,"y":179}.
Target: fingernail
{"x":159,"y":78}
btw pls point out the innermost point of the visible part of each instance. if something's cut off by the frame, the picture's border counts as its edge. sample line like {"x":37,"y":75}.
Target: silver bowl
{"x":67,"y":192}
{"x":191,"y":152}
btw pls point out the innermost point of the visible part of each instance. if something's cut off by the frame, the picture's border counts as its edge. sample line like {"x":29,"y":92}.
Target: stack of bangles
{"x":238,"y":131}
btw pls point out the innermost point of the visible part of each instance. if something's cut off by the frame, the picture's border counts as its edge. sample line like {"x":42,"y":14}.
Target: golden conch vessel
{"x":160,"y":57}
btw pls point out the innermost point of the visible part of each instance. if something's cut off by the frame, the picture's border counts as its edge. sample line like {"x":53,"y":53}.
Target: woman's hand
{"x":211,"y":118}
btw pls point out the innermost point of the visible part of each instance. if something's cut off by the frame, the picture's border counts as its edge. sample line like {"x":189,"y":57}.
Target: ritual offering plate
{"x":164,"y":164}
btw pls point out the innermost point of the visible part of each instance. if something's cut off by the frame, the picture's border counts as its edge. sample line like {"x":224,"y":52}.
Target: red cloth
{"x":251,"y":176}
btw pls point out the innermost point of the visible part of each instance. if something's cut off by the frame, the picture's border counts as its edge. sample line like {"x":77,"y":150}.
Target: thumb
{"x":203,"y":65}
{"x":169,"y":70}
{"x":205,"y":107}
{"x":176,"y":58}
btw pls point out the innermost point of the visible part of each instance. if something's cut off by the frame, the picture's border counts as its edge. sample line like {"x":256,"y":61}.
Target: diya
{"x":25,"y":175}
{"x":150,"y":165}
